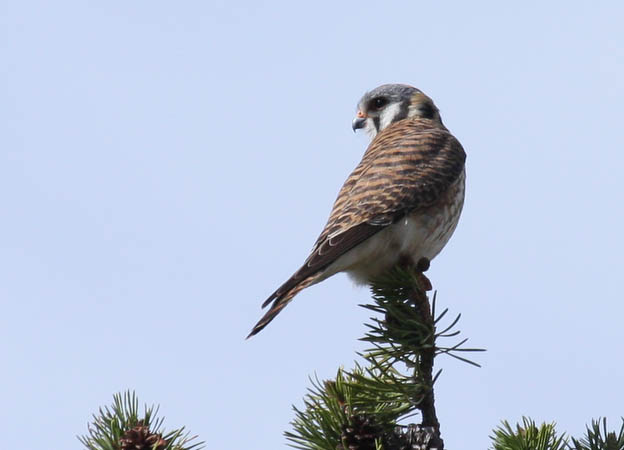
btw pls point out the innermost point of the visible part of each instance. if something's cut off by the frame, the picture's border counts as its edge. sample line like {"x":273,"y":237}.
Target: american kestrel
{"x":400,"y":204}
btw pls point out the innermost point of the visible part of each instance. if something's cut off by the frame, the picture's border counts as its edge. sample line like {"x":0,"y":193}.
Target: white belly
{"x":421,"y":234}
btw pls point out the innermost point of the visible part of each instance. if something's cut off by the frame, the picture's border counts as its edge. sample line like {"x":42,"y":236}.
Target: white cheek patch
{"x":370,"y":128}
{"x":388,"y":115}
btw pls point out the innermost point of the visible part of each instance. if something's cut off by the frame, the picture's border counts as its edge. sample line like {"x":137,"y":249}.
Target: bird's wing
{"x":407,"y":167}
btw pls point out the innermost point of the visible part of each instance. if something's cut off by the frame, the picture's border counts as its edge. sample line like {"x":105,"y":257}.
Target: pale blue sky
{"x":165,"y":165}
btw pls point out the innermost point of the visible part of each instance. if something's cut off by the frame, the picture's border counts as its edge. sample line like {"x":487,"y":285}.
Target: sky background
{"x":166,"y":165}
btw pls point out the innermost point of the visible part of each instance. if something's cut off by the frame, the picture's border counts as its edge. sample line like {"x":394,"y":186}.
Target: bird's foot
{"x":424,"y":282}
{"x":421,"y":267}
{"x":423,"y":264}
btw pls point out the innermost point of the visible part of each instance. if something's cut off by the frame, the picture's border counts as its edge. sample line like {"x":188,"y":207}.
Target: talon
{"x":424,"y":282}
{"x":423,"y":264}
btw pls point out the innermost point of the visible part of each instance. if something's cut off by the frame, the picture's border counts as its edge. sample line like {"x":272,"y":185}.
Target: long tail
{"x":280,"y":299}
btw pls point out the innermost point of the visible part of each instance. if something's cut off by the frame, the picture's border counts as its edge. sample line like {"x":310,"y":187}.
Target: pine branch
{"x":361,"y":409}
{"x":528,"y":437}
{"x":597,"y":438}
{"x":120,"y":427}
{"x":409,"y":335}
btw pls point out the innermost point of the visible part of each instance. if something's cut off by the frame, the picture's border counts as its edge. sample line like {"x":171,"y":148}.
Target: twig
{"x":424,"y":369}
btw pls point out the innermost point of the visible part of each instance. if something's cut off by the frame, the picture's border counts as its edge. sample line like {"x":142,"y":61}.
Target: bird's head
{"x":390,"y":103}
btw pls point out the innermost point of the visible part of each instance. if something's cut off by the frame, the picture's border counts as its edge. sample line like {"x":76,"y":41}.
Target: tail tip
{"x":255,"y":330}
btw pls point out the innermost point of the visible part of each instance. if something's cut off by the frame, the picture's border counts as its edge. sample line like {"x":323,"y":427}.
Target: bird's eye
{"x":379,"y":102}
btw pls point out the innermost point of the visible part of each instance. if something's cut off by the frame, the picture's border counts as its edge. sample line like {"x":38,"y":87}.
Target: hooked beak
{"x":359,"y":121}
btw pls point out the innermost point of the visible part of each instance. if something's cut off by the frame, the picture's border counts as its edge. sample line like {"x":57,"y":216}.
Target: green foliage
{"x":528,"y":437}
{"x":597,"y":438}
{"x":111,"y":424}
{"x":391,"y":385}
{"x":331,"y":405}
{"x":361,"y":408}
{"x":404,"y":334}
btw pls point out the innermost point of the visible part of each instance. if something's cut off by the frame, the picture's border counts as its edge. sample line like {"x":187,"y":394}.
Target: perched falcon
{"x":401,"y":203}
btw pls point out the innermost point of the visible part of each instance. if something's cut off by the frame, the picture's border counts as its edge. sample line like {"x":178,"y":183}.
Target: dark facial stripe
{"x":376,"y":123}
{"x":402,"y":114}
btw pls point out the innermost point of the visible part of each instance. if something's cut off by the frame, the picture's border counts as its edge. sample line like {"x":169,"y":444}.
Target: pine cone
{"x":413,"y":437}
{"x":140,"y":438}
{"x":359,"y":433}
